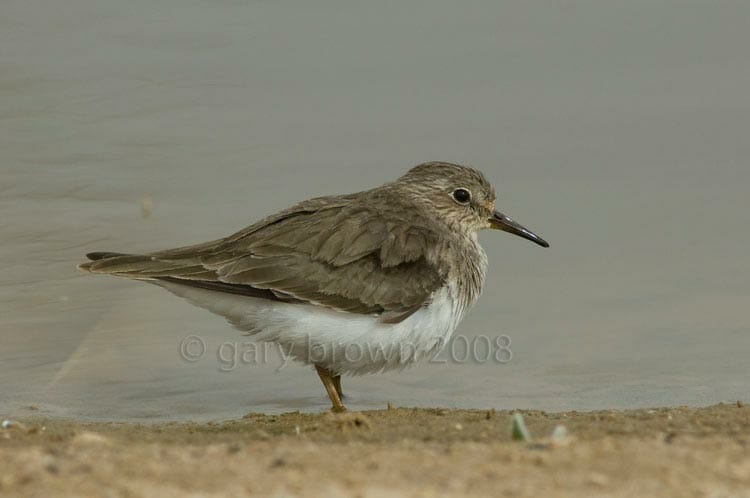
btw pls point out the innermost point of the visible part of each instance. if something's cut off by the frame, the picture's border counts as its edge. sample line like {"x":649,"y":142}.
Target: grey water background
{"x":620,"y":131}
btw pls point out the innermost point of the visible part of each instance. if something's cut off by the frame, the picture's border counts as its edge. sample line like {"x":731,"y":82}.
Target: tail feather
{"x":113,"y":262}
{"x":144,"y":266}
{"x":96,"y":256}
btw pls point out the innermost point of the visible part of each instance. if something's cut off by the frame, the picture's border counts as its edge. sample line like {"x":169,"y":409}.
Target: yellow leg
{"x":337,"y":384}
{"x":330,"y":384}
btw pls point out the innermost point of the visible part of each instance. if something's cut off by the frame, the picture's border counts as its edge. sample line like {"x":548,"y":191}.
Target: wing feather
{"x":332,"y":252}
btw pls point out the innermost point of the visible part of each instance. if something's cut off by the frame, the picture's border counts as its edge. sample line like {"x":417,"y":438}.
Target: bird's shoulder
{"x":338,"y":230}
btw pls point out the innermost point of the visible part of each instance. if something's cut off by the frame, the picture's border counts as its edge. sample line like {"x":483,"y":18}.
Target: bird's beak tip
{"x":501,"y":222}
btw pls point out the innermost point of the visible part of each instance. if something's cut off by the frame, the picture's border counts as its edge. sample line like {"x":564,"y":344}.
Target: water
{"x":617,"y":131}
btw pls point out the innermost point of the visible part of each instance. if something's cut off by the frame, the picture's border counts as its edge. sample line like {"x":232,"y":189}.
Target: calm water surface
{"x":618,"y":131}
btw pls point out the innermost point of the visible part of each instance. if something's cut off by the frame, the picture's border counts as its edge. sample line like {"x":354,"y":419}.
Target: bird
{"x":348,"y":284}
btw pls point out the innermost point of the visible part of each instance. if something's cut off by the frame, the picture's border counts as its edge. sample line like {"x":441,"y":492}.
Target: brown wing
{"x":328,"y":251}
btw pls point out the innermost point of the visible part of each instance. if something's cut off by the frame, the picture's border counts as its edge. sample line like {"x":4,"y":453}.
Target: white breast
{"x":345,"y":343}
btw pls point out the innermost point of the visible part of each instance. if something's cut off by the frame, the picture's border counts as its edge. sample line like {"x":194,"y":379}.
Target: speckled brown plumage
{"x":382,"y":251}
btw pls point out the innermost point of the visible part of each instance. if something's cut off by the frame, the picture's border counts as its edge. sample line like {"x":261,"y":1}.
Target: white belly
{"x":345,"y":343}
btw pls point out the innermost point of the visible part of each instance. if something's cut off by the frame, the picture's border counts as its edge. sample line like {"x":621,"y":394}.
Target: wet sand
{"x":393,"y":452}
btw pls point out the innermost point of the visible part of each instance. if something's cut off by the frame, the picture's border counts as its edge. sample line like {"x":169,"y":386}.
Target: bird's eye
{"x":462,"y":196}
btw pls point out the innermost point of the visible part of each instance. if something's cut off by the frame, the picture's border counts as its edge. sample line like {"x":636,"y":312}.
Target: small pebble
{"x":598,"y":479}
{"x":560,"y":433}
{"x":90,"y":438}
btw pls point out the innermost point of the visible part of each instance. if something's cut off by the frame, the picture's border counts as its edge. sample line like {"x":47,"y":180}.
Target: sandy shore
{"x":396,"y":452}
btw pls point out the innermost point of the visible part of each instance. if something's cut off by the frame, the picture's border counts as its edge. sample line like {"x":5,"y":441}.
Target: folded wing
{"x":326,"y":251}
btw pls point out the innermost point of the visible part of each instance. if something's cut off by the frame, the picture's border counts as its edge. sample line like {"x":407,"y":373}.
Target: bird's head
{"x":462,"y":197}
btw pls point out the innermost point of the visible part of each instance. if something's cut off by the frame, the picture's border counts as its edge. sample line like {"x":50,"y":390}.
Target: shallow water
{"x":619,"y":132}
